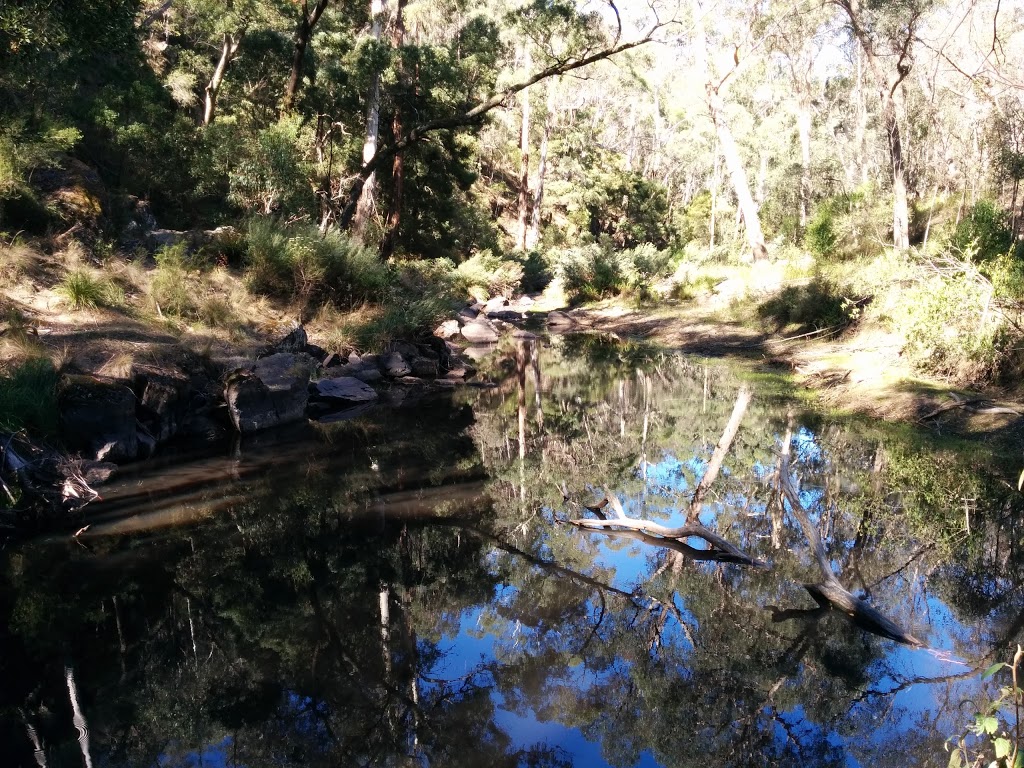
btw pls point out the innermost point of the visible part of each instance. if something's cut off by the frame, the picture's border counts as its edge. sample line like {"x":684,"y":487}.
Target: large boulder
{"x":163,"y":396}
{"x":479,"y":331}
{"x":272,"y":392}
{"x":97,"y":418}
{"x":395,"y":365}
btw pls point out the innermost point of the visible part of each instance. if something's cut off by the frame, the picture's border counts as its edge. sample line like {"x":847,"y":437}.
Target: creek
{"x":403,"y":588}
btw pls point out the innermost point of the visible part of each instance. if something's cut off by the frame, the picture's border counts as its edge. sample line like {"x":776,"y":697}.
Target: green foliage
{"x":625,"y":207}
{"x":984,"y":232}
{"x":819,"y":305}
{"x":298,"y":262}
{"x":993,"y":737}
{"x":28,"y":398}
{"x":271,"y":172}
{"x":83,"y":290}
{"x":487,"y":275}
{"x":949,"y":329}
{"x":589,"y":272}
{"x":838,"y":226}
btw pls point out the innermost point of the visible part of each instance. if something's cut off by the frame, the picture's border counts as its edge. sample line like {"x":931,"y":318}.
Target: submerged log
{"x":830,"y":593}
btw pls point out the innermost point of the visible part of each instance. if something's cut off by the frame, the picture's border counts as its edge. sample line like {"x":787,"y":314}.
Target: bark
{"x":730,"y":151}
{"x":81,"y":726}
{"x":303,"y":33}
{"x":803,"y":126}
{"x":398,"y":163}
{"x":533,"y":234}
{"x":228,"y":49}
{"x":888,"y":85}
{"x":472,"y":116}
{"x":366,"y":203}
{"x":524,"y":160}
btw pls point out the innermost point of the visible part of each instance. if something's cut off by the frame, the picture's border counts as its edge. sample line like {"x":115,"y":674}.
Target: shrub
{"x":950,"y":330}
{"x":171,"y":287}
{"x":644,"y":265}
{"x":28,"y":398}
{"x":817,"y":306}
{"x":486,"y":275}
{"x":983,"y":233}
{"x":297,"y":262}
{"x":589,"y":272}
{"x":83,"y":290}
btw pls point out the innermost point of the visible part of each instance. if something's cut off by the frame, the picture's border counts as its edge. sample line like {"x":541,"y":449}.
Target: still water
{"x":403,"y":587}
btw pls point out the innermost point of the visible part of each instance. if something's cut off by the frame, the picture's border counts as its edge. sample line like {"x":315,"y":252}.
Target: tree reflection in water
{"x":428,"y":605}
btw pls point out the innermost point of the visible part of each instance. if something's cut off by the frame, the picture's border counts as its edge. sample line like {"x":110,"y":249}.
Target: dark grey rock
{"x":274,"y":392}
{"x":395,"y":365}
{"x":295,"y":341}
{"x":346,"y":388}
{"x":163,"y":399}
{"x":424,"y":368}
{"x":97,"y":418}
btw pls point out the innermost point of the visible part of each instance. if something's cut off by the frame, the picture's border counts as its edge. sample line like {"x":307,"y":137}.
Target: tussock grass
{"x":84,"y":290}
{"x":28,"y":398}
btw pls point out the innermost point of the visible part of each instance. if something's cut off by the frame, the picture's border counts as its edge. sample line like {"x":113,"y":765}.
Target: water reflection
{"x":402,"y":589}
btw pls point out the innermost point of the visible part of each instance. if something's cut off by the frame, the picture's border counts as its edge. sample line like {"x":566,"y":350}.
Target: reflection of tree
{"x":314,"y":619}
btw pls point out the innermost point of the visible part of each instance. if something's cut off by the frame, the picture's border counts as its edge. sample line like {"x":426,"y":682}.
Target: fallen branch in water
{"x":830,"y":593}
{"x":671,"y":538}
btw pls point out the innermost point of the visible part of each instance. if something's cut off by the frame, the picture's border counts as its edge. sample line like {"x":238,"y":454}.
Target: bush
{"x":950,"y":330}
{"x":589,"y":272}
{"x":817,"y":306}
{"x":486,"y":275}
{"x":983,"y":234}
{"x":83,"y":290}
{"x":297,"y":262}
{"x":28,"y":398}
{"x":643,"y":266}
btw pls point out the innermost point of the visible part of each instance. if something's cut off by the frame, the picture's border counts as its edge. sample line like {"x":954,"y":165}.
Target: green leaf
{"x":993,"y":669}
{"x":956,"y":760}
{"x":1003,"y":747}
{"x":988,"y":723}
{"x":1018,"y":759}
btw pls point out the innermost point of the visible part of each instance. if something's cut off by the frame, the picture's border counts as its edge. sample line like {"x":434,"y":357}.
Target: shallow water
{"x":403,"y":588}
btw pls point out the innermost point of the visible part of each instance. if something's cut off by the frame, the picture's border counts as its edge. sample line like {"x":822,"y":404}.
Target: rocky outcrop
{"x":273,"y":392}
{"x":97,"y":418}
{"x":345,"y":389}
{"x":163,"y":397}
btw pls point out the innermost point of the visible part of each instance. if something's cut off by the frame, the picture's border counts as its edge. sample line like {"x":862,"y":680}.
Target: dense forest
{"x":398,"y":156}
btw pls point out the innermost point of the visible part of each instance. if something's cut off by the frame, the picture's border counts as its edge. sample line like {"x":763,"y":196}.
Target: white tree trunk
{"x":533,"y":234}
{"x":367,"y":202}
{"x":228,"y":49}
{"x":524,"y":151}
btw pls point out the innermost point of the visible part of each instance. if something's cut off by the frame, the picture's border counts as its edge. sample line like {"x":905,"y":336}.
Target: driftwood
{"x":672,"y":538}
{"x":51,"y":483}
{"x":830,"y":593}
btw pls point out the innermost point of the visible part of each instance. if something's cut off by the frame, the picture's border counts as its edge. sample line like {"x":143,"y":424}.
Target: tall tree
{"x":886,"y":34}
{"x":398,"y":162}
{"x":366,"y":203}
{"x":303,"y":33}
{"x":714,"y":87}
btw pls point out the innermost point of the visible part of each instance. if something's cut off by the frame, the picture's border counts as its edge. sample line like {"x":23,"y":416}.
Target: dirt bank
{"x":860,"y":371}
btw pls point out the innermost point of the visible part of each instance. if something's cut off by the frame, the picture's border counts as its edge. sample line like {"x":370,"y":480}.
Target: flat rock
{"x":447,"y":330}
{"x":495,"y":304}
{"x":479,"y":331}
{"x":347,"y":388}
{"x":424,"y":367}
{"x":560,"y":320}
{"x":97,"y":417}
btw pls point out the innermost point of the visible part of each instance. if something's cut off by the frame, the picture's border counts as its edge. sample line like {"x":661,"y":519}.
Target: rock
{"x":518,"y":333}
{"x":295,"y":341}
{"x":369,"y":375}
{"x":479,"y":331}
{"x":346,"y":388}
{"x":163,"y":396}
{"x":96,"y":472}
{"x":395,"y":366}
{"x":315,"y":351}
{"x":477,"y":353}
{"x":447,"y":330}
{"x":560,"y":320}
{"x":274,"y":392}
{"x":424,"y":367}
{"x":495,"y":304}
{"x":467,"y":313}
{"x":332,"y":360}
{"x":509,"y":315}
{"x":97,"y":417}
{"x":147,"y":443}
